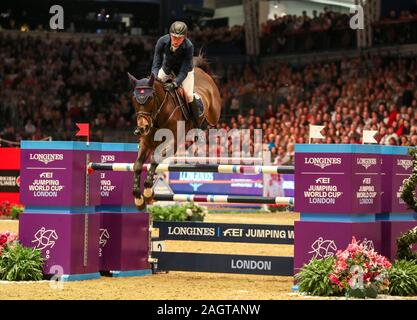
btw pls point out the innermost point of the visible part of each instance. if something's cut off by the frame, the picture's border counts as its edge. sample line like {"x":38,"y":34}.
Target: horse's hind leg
{"x":148,"y":192}
{"x":137,"y":168}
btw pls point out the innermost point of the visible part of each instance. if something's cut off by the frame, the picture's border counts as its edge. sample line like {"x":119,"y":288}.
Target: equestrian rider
{"x":174,"y":53}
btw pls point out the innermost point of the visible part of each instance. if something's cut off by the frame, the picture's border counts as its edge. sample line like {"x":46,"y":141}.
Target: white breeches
{"x":187,"y":84}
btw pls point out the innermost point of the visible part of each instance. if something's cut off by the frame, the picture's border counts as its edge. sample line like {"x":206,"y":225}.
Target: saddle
{"x":181,"y":100}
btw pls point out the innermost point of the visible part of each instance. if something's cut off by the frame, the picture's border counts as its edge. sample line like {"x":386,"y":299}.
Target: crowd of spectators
{"x":219,"y":37}
{"x":396,"y":28}
{"x":324,"y":30}
{"x":288,"y":24}
{"x":347,"y":97}
{"x":46,"y":86}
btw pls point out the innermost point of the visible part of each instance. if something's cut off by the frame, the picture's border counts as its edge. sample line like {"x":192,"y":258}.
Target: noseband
{"x":142,"y":94}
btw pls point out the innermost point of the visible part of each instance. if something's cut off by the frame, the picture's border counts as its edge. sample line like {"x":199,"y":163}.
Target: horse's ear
{"x":151,"y":80}
{"x":132,"y":79}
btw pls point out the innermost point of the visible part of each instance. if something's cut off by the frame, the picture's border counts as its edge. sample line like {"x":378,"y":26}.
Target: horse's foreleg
{"x":148,"y":186}
{"x":137,"y":171}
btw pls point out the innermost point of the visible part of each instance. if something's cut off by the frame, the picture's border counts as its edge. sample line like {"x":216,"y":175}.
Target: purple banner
{"x":337,"y":183}
{"x":395,"y":169}
{"x":124,"y":241}
{"x":57,"y":178}
{"x":69,"y":241}
{"x":216,"y":183}
{"x":116,"y":186}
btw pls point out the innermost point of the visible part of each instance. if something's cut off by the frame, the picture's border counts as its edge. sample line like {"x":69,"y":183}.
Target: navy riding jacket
{"x":180,"y":61}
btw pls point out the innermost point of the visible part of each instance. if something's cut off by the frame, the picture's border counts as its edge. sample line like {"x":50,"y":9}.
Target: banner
{"x":9,"y":180}
{"x":216,"y":183}
{"x":9,"y":175}
{"x":279,"y":185}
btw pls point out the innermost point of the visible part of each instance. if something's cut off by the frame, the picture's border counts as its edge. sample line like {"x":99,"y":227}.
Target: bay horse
{"x":159,"y":109}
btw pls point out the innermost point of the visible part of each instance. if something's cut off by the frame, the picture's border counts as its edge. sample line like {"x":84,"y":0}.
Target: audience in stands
{"x":46,"y":86}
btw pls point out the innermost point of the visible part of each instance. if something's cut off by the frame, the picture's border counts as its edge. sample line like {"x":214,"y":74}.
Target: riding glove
{"x":170,"y":86}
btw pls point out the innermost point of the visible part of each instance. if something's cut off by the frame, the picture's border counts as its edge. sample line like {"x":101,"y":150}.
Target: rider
{"x":174,"y":53}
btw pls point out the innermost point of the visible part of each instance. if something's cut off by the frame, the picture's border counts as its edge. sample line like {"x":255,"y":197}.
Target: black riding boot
{"x":197,"y":111}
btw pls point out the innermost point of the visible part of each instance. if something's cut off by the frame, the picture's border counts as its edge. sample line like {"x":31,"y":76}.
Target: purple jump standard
{"x":337,"y":192}
{"x":124,"y":231}
{"x":59,"y":217}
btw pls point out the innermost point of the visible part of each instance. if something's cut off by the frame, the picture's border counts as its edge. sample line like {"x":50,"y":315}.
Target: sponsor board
{"x":225,"y":232}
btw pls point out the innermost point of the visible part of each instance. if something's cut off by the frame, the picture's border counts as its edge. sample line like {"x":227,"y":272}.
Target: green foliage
{"x":19,"y":263}
{"x":403,"y":278}
{"x":405,"y":243}
{"x":409,"y":186}
{"x":15,"y":211}
{"x":185,"y":212}
{"x":313,"y":278}
{"x":279,"y":208}
{"x":368,"y":292}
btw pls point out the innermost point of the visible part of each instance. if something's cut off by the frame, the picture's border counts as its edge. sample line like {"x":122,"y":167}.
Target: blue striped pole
{"x":224,"y":199}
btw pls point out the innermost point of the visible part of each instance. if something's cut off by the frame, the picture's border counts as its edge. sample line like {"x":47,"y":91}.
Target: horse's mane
{"x":200,"y":62}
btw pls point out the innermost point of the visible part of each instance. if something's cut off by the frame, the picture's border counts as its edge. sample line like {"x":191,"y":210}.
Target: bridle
{"x":141,"y":99}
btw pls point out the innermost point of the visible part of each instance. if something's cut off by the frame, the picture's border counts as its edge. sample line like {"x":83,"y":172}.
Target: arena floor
{"x":177,"y":285}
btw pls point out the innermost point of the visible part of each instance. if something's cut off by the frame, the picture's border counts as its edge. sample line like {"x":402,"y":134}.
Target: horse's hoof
{"x":140,"y":203}
{"x":148,"y":193}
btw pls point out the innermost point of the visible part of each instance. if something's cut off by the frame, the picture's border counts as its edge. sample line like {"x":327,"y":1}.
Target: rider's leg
{"x":188,"y":85}
{"x":196,"y":107}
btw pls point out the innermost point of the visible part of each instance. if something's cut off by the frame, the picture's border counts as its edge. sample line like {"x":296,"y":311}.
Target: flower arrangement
{"x":18,"y":263}
{"x":357,"y":272}
{"x":189,"y":211}
{"x":9,"y":210}
{"x":5,"y":208}
{"x":6,"y":238}
{"x":360,"y":272}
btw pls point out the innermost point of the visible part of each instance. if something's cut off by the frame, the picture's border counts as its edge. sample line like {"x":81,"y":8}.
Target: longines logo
{"x":322,"y":162}
{"x":46,"y":157}
{"x":366,"y":162}
{"x":107,"y":158}
{"x":404,"y":163}
{"x":191,"y":231}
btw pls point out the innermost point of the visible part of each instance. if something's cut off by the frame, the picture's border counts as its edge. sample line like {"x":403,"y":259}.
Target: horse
{"x":159,"y":109}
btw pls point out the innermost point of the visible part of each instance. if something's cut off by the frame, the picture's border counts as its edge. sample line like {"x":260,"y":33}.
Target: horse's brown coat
{"x":167,"y":118}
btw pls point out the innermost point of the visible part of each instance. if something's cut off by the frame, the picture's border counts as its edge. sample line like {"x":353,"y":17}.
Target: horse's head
{"x":144,"y":101}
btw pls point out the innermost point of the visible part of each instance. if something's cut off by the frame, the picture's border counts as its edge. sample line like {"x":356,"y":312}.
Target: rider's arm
{"x":187,"y":65}
{"x":158,"y":56}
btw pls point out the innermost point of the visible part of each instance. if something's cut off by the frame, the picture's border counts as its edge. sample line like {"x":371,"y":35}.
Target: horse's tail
{"x":203,"y":64}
